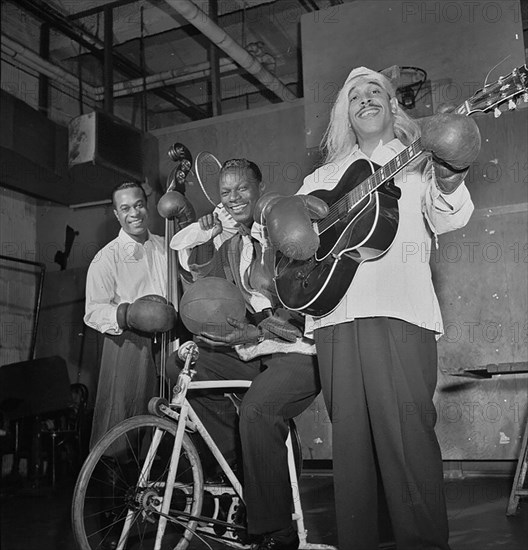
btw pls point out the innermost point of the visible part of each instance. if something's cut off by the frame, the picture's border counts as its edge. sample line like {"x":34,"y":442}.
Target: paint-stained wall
{"x":481,"y":273}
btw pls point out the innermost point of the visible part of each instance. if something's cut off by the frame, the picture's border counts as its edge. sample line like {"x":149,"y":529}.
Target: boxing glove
{"x":173,"y":205}
{"x":454,"y":141}
{"x":149,"y":314}
{"x":290,"y":227}
{"x":280,"y":325}
{"x":264,"y":204}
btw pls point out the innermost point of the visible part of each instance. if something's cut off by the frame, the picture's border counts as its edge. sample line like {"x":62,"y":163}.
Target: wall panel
{"x":481,"y":275}
{"x":18,"y":282}
{"x":456,"y":43}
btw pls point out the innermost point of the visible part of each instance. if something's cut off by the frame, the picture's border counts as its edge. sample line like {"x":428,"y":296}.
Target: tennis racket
{"x":207,"y":170}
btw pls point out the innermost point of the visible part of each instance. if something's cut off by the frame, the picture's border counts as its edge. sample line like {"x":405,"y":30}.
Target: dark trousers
{"x":378,"y":378}
{"x":283,"y":386}
{"x":127,"y":381}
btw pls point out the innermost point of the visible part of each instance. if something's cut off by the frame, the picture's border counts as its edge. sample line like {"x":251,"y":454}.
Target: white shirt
{"x":123,"y":271}
{"x":399,"y":283}
{"x":191,"y":236}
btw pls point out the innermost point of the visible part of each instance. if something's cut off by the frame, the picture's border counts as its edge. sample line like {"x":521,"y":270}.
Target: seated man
{"x":282,"y":369}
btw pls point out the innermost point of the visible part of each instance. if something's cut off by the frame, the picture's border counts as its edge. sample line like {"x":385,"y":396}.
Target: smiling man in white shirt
{"x":125,"y":271}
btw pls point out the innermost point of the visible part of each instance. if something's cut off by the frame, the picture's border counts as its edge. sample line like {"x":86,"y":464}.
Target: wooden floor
{"x":39,"y":518}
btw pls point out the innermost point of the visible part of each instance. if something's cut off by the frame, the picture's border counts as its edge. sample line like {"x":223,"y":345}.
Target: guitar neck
{"x":387,"y":171}
{"x":349,"y":200}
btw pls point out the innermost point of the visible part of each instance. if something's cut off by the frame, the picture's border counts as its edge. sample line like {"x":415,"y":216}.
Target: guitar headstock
{"x":507,"y":89}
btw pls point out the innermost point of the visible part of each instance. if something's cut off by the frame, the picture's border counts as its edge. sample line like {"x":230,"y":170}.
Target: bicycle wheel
{"x":118,"y":495}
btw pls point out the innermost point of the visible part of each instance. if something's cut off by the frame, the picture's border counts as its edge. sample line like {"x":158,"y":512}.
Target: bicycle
{"x":143,"y":487}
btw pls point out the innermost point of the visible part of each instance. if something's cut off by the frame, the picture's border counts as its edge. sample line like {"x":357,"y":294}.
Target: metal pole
{"x":43,"y":101}
{"x":108,"y":61}
{"x":143,"y":65}
{"x":38,"y":297}
{"x":216,"y":92}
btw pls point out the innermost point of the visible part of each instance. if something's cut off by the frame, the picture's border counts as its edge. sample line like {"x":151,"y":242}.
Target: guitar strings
{"x":354,"y":196}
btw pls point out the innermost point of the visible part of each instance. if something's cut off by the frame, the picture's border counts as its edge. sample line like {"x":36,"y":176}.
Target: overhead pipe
{"x":29,"y":58}
{"x":166,"y":78}
{"x":231,"y":47}
{"x":93,"y":94}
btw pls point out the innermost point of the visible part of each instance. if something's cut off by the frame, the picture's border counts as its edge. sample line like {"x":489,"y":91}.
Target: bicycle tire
{"x":114,"y":465}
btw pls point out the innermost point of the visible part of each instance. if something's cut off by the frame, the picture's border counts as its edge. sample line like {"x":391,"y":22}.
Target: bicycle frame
{"x":181,"y":411}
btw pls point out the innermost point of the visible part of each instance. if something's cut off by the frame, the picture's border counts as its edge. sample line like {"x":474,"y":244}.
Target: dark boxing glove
{"x":264,"y":204}
{"x":149,"y":314}
{"x":173,"y":205}
{"x":454,"y":141}
{"x":281,"y":325}
{"x":290,"y":227}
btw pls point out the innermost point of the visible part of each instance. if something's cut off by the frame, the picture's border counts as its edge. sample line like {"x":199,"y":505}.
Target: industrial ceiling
{"x":152,"y":62}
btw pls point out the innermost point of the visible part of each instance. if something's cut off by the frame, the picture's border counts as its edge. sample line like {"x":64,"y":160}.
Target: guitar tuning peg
{"x":497,"y":112}
{"x":512,"y":105}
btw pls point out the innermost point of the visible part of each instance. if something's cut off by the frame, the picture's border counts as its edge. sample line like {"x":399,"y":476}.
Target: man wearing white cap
{"x":377,"y":348}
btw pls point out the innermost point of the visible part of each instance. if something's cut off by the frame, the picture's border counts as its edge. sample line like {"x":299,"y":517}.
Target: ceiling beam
{"x":99,"y":9}
{"x":231,"y":47}
{"x":95,"y":46}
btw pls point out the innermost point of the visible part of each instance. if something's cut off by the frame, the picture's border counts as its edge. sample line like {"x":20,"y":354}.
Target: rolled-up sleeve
{"x":446,"y":212}
{"x":100,"y":311}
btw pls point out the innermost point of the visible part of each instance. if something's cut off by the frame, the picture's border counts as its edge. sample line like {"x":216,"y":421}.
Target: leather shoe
{"x":269,"y":542}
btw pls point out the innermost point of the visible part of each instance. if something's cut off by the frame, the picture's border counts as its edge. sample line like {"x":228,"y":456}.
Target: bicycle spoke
{"x":122,"y":485}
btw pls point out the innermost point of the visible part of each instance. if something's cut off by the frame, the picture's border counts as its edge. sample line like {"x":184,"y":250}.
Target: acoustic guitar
{"x":363,"y":215}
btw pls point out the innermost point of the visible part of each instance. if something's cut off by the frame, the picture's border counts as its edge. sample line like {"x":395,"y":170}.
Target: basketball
{"x":207,"y":303}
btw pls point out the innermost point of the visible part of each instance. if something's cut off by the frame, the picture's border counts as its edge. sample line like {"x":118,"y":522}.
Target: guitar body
{"x":363,"y":232}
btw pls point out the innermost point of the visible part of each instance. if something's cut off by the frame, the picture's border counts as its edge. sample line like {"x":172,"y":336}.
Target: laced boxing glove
{"x":264,"y":204}
{"x":283,"y":325}
{"x":173,"y":205}
{"x":149,"y":314}
{"x":290,"y":227}
{"x":454,"y":141}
